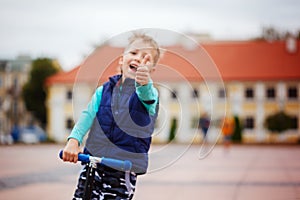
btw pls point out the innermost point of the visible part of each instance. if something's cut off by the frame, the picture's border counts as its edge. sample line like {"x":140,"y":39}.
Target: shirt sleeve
{"x":87,"y":117}
{"x":148,"y":95}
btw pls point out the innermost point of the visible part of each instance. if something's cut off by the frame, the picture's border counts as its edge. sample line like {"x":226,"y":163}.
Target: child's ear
{"x":121,"y":60}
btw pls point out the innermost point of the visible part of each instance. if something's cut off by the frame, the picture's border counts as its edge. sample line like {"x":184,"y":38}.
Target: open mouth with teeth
{"x":133,"y":67}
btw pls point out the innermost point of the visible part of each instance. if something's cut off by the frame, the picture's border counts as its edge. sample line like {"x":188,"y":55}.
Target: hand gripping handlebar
{"x":121,"y":165}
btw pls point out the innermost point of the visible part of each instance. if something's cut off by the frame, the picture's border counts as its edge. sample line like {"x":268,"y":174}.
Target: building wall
{"x":64,"y":104}
{"x":247,"y":100}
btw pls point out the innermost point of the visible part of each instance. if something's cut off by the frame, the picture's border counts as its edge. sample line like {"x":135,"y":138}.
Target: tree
{"x":34,"y":92}
{"x":270,"y":33}
{"x":237,"y":133}
{"x":173,"y":129}
{"x":279,"y":122}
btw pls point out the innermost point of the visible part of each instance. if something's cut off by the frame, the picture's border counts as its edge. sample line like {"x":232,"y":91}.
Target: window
{"x":174,"y":94}
{"x":249,"y":93}
{"x":249,"y":122}
{"x":15,"y":82}
{"x":156,"y":124}
{"x":271,"y":94}
{"x":221,"y":93}
{"x":195,"y":93}
{"x":69,"y":123}
{"x":292,"y":93}
{"x":69,"y":94}
{"x":15,"y":109}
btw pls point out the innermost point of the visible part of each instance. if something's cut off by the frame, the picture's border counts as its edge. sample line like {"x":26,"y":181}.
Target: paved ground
{"x":176,"y":172}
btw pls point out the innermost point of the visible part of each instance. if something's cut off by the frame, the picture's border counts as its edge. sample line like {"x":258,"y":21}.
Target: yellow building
{"x":248,"y":79}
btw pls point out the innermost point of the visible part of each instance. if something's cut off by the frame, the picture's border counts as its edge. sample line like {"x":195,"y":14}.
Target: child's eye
{"x":132,"y":52}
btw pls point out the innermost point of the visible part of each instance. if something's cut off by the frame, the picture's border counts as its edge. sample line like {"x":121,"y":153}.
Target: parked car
{"x":29,"y":135}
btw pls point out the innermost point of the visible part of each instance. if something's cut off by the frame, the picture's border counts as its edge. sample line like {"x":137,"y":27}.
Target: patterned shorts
{"x":108,"y":184}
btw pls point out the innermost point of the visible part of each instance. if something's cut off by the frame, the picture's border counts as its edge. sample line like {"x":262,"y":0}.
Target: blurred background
{"x":253,"y":45}
{"x":229,"y":74}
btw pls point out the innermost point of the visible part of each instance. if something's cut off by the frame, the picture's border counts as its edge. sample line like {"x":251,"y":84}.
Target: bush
{"x":279,"y":122}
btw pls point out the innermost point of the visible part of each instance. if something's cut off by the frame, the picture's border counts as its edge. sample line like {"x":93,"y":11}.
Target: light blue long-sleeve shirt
{"x":144,"y":92}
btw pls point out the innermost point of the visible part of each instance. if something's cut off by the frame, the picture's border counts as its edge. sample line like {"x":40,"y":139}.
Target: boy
{"x":120,"y":119}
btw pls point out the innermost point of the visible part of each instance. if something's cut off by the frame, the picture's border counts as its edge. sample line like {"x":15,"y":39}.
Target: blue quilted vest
{"x":123,"y":127}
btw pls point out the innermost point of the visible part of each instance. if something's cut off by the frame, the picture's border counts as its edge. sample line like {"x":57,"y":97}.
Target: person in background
{"x":227,"y":131}
{"x":204,"y":123}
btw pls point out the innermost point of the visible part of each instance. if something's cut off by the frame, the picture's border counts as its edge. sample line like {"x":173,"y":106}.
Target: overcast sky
{"x":68,"y":29}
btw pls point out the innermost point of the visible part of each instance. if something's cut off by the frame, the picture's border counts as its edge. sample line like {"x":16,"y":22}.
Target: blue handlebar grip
{"x":61,"y":154}
{"x":81,"y":157}
{"x":117,"y":164}
{"x":120,"y":165}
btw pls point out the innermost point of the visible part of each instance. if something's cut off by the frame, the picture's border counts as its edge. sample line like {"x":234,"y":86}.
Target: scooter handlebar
{"x":121,"y":165}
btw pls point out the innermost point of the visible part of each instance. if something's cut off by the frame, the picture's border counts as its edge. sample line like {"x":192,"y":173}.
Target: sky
{"x":69,"y":30}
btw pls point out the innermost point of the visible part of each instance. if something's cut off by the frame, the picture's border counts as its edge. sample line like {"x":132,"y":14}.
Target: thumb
{"x":146,"y":60}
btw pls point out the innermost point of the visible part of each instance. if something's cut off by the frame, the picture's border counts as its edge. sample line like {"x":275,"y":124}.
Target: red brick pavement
{"x":244,"y":172}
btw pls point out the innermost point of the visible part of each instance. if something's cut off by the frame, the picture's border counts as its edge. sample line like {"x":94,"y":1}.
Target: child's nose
{"x":138,"y":57}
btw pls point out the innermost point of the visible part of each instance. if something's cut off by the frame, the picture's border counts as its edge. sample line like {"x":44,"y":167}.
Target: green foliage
{"x":279,"y":122}
{"x":237,"y":133}
{"x":173,"y":129}
{"x":34,"y":92}
{"x":270,"y":33}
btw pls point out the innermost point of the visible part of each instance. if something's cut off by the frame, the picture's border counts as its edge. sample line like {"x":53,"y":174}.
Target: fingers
{"x":142,"y":75}
{"x":70,"y":156}
{"x":146,"y":60}
{"x":71,"y":150}
{"x":142,"y":70}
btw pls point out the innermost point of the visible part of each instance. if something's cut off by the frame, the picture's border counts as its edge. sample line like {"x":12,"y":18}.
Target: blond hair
{"x":146,"y":39}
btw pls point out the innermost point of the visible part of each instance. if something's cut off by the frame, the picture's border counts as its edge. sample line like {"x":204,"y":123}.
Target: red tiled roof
{"x":248,"y":60}
{"x":256,"y":60}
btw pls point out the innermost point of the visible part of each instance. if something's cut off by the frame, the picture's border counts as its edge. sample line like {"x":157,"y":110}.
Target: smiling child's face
{"x":133,"y":57}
